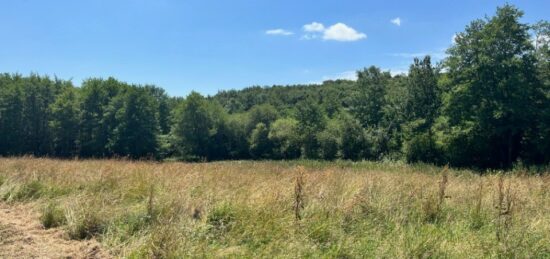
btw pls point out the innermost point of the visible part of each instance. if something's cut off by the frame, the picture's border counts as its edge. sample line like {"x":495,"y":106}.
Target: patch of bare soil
{"x":22,"y":236}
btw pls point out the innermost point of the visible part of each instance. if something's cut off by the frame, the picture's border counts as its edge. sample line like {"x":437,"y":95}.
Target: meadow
{"x":283,"y":209}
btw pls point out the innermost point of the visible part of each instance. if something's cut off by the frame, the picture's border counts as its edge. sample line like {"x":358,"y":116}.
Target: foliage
{"x":487,"y":105}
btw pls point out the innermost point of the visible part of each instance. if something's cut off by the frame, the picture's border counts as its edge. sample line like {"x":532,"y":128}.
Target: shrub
{"x":329,"y":145}
{"x":421,"y":148}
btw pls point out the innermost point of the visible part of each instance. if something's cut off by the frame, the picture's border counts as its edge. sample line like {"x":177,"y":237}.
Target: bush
{"x":421,"y":148}
{"x":329,"y":145}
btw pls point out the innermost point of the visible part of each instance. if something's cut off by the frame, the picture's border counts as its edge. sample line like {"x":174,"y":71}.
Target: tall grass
{"x":286,"y":209}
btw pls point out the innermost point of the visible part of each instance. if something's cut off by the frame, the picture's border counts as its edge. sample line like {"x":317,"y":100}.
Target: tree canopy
{"x":486,"y":105}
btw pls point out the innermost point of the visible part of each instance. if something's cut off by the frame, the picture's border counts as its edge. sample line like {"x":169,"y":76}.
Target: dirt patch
{"x":22,"y":236}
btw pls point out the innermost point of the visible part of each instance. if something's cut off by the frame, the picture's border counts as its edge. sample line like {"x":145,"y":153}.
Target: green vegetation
{"x":300,"y":208}
{"x":487,"y":105}
{"x":52,"y":216}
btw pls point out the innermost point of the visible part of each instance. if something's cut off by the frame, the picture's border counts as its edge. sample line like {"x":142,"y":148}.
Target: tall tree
{"x":193,"y":127}
{"x":64,"y":123}
{"x":353,"y":140}
{"x":421,"y":110}
{"x":495,"y":89}
{"x":260,"y":144}
{"x":263,"y":113}
{"x":135,"y":133}
{"x":286,"y":141}
{"x":538,"y":139}
{"x":95,"y":124}
{"x":311,"y":121}
{"x":38,"y":93}
{"x":11,"y":114}
{"x":370,"y":100}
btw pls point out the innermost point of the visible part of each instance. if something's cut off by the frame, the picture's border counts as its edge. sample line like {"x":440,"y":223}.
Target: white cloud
{"x":314,"y":27}
{"x":281,"y":32}
{"x":342,"y":32}
{"x":310,"y":36}
{"x":396,"y":21}
{"x":337,"y":32}
{"x":453,"y":39}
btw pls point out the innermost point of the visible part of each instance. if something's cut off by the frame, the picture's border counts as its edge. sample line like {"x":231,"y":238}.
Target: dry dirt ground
{"x":22,"y":236}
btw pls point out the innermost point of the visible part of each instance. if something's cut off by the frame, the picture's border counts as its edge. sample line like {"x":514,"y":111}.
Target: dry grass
{"x":286,"y":209}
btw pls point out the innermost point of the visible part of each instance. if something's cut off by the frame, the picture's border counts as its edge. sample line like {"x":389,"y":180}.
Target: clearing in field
{"x":269,"y":209}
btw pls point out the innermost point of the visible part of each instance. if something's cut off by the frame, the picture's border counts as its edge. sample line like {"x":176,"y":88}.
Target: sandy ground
{"x":22,"y":236}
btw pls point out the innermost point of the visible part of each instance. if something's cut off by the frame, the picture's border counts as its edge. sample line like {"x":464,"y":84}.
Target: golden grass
{"x":288,"y":209}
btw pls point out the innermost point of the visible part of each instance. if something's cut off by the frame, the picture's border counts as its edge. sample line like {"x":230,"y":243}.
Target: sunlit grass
{"x":249,"y":209}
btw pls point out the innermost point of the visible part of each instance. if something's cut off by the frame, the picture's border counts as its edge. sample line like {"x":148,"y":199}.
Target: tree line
{"x":486,"y":105}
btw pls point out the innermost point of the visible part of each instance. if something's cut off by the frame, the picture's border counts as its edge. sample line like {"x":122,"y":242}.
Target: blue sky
{"x":207,"y":45}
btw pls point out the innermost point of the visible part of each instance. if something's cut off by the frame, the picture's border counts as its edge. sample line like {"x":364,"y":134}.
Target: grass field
{"x":285,"y":209}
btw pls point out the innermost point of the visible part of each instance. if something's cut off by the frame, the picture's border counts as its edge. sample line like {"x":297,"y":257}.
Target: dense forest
{"x":486,"y":105}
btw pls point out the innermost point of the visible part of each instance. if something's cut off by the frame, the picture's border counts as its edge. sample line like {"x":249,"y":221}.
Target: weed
{"x":221,"y":218}
{"x":27,"y":191}
{"x":504,"y":208}
{"x":85,"y":222}
{"x":443,"y":186}
{"x":150,"y":205}
{"x":476,"y":214}
{"x":299,"y":195}
{"x":52,"y":216}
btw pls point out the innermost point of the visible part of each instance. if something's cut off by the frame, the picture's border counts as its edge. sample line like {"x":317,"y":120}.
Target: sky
{"x":207,"y":45}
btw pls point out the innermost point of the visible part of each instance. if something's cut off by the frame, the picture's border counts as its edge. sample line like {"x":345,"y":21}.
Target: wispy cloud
{"x":336,"y":32}
{"x":314,"y":27}
{"x":396,"y":21}
{"x":279,"y":32}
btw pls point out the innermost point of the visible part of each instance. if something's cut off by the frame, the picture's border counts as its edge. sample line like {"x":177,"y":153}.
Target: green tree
{"x":64,"y":123}
{"x":231,"y":139}
{"x":286,"y":141}
{"x":423,"y":100}
{"x":162,"y":107}
{"x":11,"y":114}
{"x":95,"y":125}
{"x":369,"y":102}
{"x":537,"y":143}
{"x":260,"y":144}
{"x":352,"y":138}
{"x":38,"y":93}
{"x":136,"y":130}
{"x":329,"y":140}
{"x":495,"y":90}
{"x":311,"y":121}
{"x":193,"y":127}
{"x":263,"y":113}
